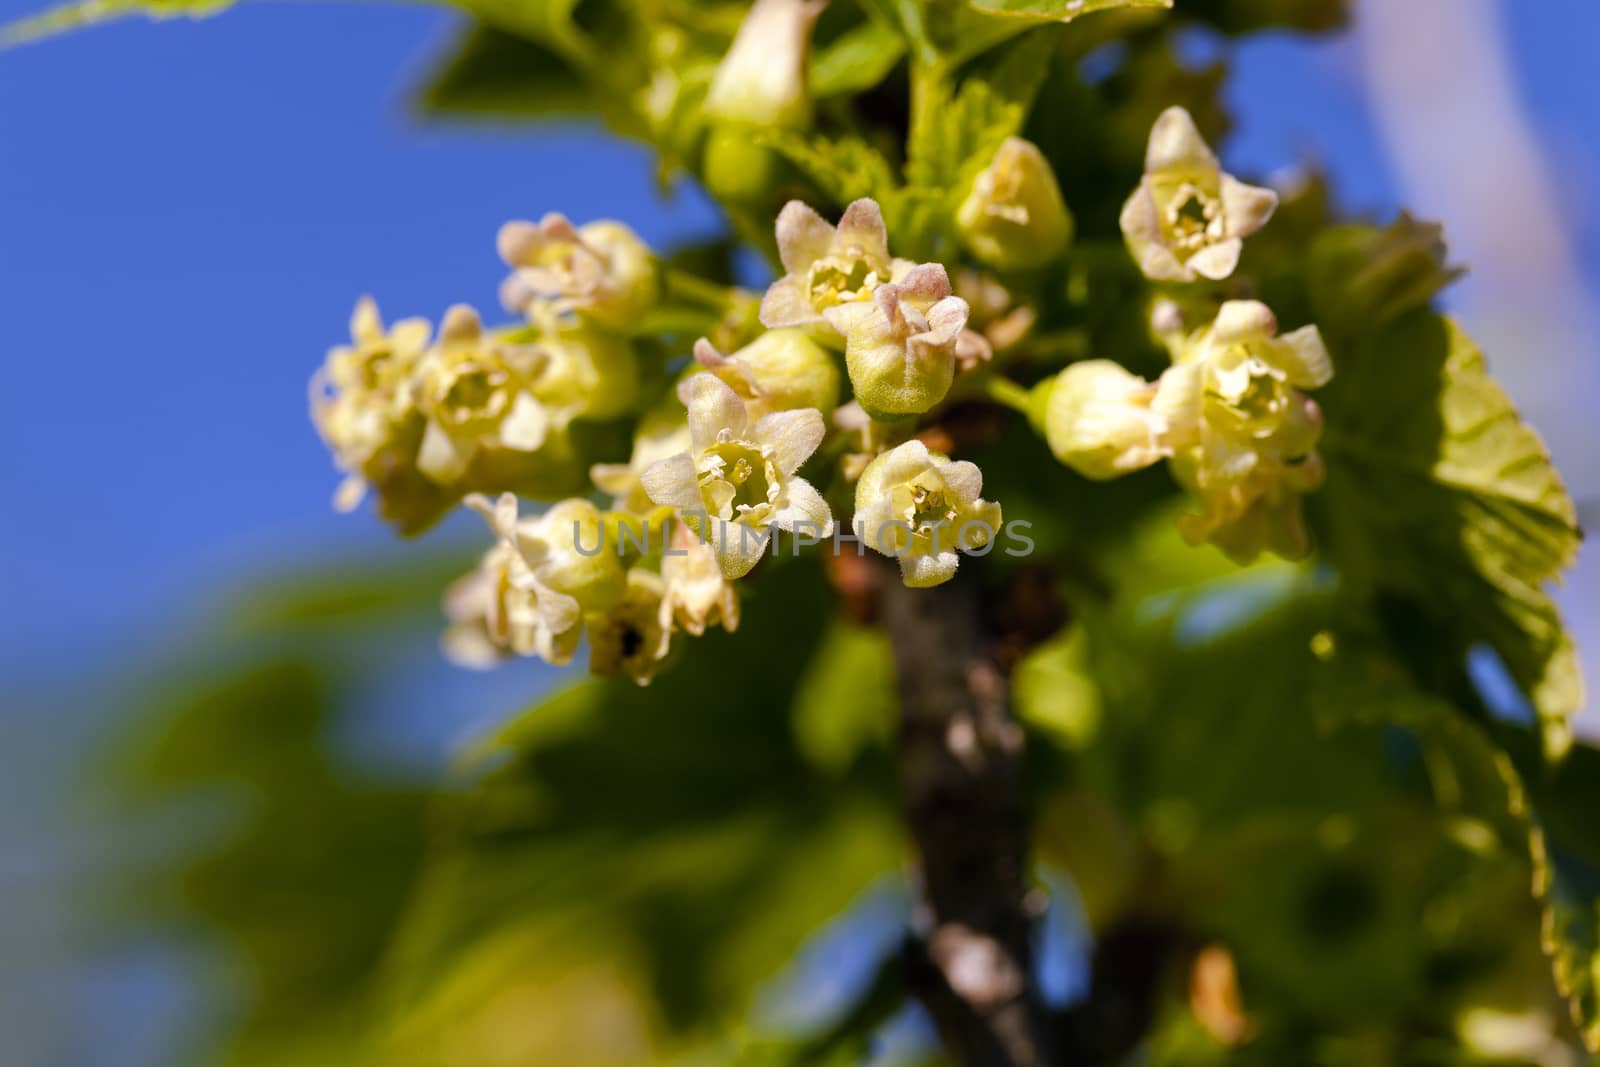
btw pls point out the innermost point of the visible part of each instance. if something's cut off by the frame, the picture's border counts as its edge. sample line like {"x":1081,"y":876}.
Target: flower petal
{"x":924,"y":572}
{"x":964,"y":479}
{"x":792,"y":436}
{"x":1176,"y":144}
{"x":1245,"y":208}
{"x":525,"y":425}
{"x":1217,"y":261}
{"x":786,"y":304}
{"x":713,"y":407}
{"x":1243,"y":321}
{"x":672,"y":483}
{"x":1304,"y":358}
{"x":738,"y":547}
{"x":861,"y":230}
{"x":803,"y":237}
{"x":441,"y":457}
{"x":802,"y":505}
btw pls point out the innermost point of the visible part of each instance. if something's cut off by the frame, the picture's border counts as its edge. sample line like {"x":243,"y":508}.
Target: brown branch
{"x":960,"y":755}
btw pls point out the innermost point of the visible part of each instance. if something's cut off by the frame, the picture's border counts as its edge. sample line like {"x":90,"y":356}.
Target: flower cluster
{"x":712,"y":479}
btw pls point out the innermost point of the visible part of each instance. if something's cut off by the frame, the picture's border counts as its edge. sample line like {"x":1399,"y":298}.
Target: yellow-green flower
{"x":781,"y":370}
{"x":1102,"y":420}
{"x":924,"y":509}
{"x":737,"y":480}
{"x":478,"y":392}
{"x":363,"y":390}
{"x":507,"y":606}
{"x":697,"y":595}
{"x":1014,"y":217}
{"x":1243,"y":432}
{"x":1188,"y":218}
{"x":630,"y":638}
{"x":600,"y":270}
{"x":826,"y":266}
{"x":901,"y":347}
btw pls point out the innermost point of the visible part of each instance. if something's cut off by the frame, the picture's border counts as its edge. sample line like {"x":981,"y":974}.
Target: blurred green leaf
{"x":1059,"y":10}
{"x":491,"y":72}
{"x":1438,"y":492}
{"x":857,"y":60}
{"x":844,"y":168}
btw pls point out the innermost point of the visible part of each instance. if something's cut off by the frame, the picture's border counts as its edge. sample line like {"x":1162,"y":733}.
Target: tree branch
{"x":961,"y":783}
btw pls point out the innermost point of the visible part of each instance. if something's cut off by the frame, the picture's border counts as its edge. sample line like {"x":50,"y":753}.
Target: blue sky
{"x":188,"y":210}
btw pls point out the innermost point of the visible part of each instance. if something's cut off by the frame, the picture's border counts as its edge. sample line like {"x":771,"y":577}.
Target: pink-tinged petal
{"x":1243,"y":321}
{"x":517,"y":293}
{"x":461,"y":323}
{"x":672,"y":483}
{"x":925,"y":572}
{"x":803,"y":237}
{"x":526,"y":425}
{"x":964,"y":479}
{"x":861,"y":230}
{"x":803,"y":509}
{"x":946,"y":320}
{"x":924,"y":283}
{"x":1217,"y":261}
{"x":786,"y":304}
{"x":713,"y":407}
{"x":792,"y":436}
{"x":1176,"y":144}
{"x":1245,"y":208}
{"x":706,"y":354}
{"x":442,"y":458}
{"x":518,"y":241}
{"x":846,"y":317}
{"x":556,"y":227}
{"x":1304,"y":358}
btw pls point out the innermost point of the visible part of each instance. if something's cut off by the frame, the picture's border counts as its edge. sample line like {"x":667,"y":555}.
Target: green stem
{"x":688,"y":288}
{"x":1006,"y":392}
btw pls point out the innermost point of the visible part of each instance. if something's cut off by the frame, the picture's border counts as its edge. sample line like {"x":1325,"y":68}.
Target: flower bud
{"x":782,"y":370}
{"x":900,"y":348}
{"x":762,"y":79}
{"x":1014,"y":216}
{"x":601,"y":270}
{"x":1100,"y":421}
{"x":585,"y":372}
{"x":923,"y":509}
{"x":1188,"y":219}
{"x":574,"y":556}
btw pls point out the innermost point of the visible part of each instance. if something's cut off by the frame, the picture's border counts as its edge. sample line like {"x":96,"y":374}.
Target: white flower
{"x":738,"y":478}
{"x":1188,"y":218}
{"x":924,"y":509}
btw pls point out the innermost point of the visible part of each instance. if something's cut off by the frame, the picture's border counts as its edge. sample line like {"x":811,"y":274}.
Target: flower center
{"x":841,"y":280}
{"x":743,"y":469}
{"x":1194,"y":218}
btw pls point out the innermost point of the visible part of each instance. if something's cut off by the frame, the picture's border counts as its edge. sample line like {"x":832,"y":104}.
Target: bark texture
{"x":960,"y":753}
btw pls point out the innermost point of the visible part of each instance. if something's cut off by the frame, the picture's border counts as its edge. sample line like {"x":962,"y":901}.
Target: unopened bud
{"x":1100,"y":420}
{"x":1014,"y":216}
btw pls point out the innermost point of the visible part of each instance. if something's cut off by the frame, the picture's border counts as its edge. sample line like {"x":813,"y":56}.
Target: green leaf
{"x":1059,"y":10}
{"x":844,"y":169}
{"x":90,"y":12}
{"x":1437,"y":492}
{"x":857,"y":60}
{"x":954,"y":134}
{"x":492,"y":72}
